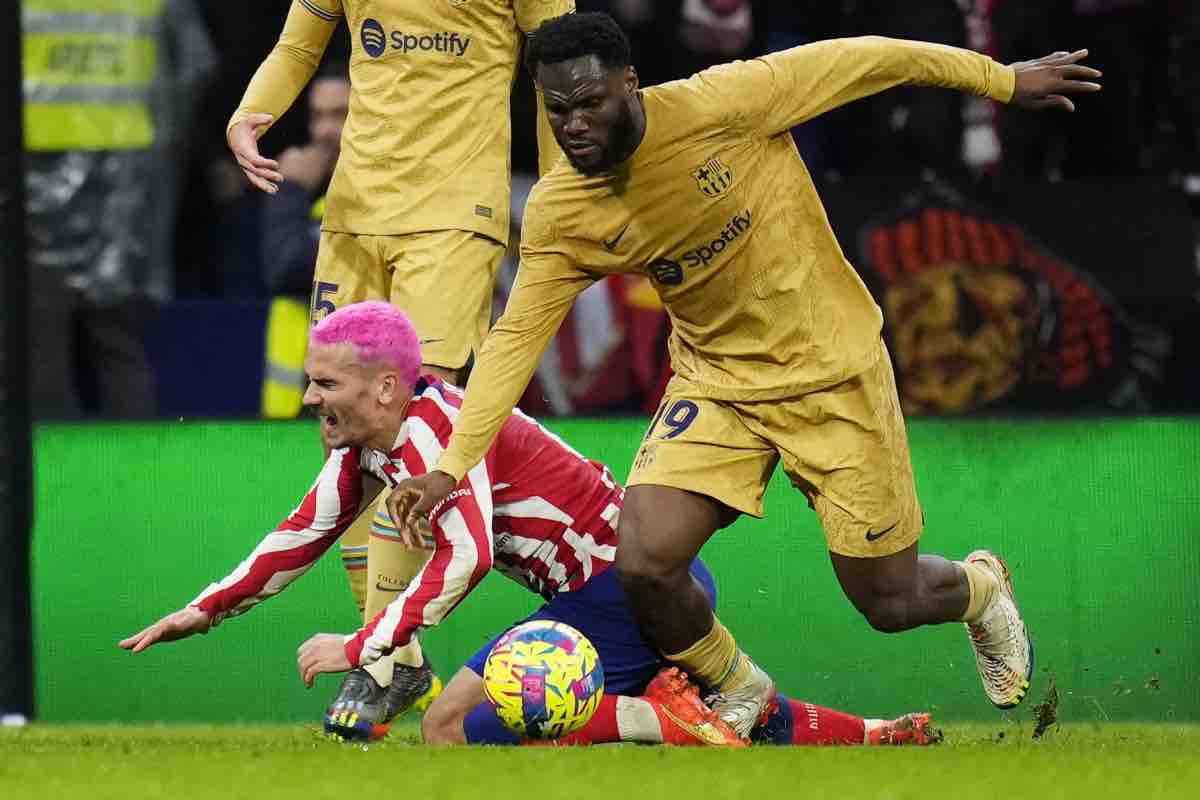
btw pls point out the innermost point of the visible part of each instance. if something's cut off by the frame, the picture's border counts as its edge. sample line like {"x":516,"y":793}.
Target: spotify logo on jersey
{"x":374,"y":40}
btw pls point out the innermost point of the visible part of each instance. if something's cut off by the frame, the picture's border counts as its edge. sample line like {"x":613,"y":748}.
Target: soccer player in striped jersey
{"x":417,"y":211}
{"x":533,"y":509}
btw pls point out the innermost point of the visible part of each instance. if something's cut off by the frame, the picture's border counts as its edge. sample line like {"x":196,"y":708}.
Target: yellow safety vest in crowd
{"x":284,"y":381}
{"x":88,"y":70}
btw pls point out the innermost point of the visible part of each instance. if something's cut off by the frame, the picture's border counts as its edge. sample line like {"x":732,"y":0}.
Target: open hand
{"x":180,"y":625}
{"x":323,"y":652}
{"x":411,"y":502}
{"x":1045,"y":82}
{"x":243,"y":141}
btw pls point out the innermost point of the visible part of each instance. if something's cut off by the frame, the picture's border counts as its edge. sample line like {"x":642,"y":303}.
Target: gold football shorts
{"x":442,"y":279}
{"x":845,"y":447}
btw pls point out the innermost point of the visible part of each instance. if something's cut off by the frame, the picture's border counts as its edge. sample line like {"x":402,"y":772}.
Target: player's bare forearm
{"x":183,"y":623}
{"x":1045,"y":82}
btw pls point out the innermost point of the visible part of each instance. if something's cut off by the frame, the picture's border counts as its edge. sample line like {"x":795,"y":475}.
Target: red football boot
{"x":911,"y":729}
{"x":685,"y":720}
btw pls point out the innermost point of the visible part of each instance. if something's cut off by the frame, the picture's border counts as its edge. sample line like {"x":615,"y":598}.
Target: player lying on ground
{"x":533,"y":509}
{"x":775,"y":339}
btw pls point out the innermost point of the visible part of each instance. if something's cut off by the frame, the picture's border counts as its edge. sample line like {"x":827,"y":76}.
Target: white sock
{"x":637,"y":721}
{"x":381,"y":670}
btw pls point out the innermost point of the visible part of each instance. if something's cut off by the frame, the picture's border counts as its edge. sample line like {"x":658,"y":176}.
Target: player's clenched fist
{"x":243,"y":141}
{"x":411,"y":502}
{"x":180,"y":625}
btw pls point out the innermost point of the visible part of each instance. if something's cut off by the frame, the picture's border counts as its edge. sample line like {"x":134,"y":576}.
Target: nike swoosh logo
{"x":612,"y":245}
{"x":873,"y":536}
{"x":704,"y":732}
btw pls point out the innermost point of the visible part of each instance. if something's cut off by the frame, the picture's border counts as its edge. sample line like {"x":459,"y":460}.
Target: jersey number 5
{"x":319,"y":303}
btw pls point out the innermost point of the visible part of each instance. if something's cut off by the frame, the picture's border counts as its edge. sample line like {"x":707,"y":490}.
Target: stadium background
{"x":1077,"y":458}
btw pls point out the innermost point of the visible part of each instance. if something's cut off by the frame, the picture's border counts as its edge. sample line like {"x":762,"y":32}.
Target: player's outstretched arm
{"x":183,"y":623}
{"x":1045,"y":82}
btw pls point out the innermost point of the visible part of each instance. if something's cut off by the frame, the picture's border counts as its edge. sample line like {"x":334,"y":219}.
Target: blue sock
{"x":482,"y":726}
{"x":778,"y":727}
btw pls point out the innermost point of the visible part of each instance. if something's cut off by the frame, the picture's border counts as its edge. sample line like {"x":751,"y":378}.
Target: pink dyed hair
{"x":378,"y":331}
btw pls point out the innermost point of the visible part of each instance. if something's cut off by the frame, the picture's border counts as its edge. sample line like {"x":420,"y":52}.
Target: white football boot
{"x":742,"y":707}
{"x":1003,"y":649}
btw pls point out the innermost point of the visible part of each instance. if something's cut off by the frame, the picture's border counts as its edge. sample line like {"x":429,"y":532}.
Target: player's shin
{"x":354,"y":561}
{"x":792,"y":722}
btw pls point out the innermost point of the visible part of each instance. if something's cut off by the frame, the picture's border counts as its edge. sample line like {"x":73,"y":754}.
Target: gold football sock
{"x":983,"y":587}
{"x":714,"y":660}
{"x":354,"y":558}
{"x":391,"y":567}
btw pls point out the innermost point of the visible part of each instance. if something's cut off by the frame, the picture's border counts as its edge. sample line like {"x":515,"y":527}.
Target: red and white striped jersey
{"x":534,"y":509}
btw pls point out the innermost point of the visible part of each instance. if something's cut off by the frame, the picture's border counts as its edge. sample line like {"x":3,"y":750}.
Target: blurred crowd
{"x":190,"y":227}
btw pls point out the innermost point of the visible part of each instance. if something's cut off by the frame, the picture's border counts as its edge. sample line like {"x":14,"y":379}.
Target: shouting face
{"x":358,"y":404}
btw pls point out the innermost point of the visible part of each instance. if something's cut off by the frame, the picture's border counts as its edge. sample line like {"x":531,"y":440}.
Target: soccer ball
{"x":544,"y":678}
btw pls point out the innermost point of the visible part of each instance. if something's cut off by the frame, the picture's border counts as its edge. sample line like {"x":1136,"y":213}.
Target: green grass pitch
{"x":1001,"y":760}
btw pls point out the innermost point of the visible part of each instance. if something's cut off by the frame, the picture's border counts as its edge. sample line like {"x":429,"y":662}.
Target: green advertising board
{"x":1098,"y":518}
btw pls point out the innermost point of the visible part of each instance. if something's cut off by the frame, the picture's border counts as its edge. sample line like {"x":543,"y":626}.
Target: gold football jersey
{"x":718,"y":209}
{"x":427,"y":145}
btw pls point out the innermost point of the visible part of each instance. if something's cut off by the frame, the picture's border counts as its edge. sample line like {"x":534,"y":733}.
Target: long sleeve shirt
{"x":534,"y":510}
{"x":427,"y":142}
{"x":716,"y":207}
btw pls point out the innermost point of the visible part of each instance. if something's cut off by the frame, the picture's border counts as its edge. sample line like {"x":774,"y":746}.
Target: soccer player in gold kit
{"x":417,"y":213}
{"x":775,"y":344}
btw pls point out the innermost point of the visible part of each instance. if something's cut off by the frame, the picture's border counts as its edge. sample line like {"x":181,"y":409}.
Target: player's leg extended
{"x":698,"y":467}
{"x":794,"y":722}
{"x":850,"y":455}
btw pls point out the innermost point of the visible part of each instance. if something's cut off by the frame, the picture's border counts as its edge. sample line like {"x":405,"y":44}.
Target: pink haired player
{"x":533,"y":509}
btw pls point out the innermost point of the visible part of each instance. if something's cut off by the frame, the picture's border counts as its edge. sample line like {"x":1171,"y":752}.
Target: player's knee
{"x":645,"y":577}
{"x":438,"y":727}
{"x":887,"y":614}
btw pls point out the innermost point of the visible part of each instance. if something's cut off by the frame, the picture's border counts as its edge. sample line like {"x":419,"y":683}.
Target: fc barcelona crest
{"x":714,"y":177}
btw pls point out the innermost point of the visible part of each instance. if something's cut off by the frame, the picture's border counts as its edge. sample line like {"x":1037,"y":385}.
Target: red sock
{"x":602,"y":727}
{"x":800,"y":723}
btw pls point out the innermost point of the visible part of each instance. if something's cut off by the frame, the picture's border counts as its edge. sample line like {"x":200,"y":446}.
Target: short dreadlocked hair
{"x":575,"y":36}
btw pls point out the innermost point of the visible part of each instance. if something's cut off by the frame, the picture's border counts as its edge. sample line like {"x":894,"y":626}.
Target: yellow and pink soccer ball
{"x":544,"y":678}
